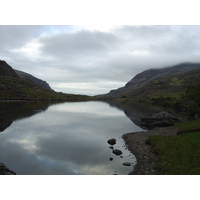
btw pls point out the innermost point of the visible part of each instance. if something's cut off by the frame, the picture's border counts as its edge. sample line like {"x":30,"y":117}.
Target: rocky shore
{"x":147,"y":160}
{"x":4,"y":170}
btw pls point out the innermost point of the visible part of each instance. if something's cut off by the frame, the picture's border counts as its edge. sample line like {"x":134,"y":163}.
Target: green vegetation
{"x":15,"y":87}
{"x":179,"y":154}
{"x":191,"y":126}
{"x":176,"y":87}
{"x":24,"y":89}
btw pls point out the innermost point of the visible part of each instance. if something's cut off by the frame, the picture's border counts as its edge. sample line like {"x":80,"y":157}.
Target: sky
{"x":94,"y":59}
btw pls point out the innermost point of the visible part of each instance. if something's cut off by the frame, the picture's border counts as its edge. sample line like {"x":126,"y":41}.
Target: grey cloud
{"x":16,"y":36}
{"x":80,"y":44}
{"x":70,"y":55}
{"x":162,"y":39}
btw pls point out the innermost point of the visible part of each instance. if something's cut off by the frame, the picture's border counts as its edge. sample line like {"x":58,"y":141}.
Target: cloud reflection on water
{"x":69,"y":138}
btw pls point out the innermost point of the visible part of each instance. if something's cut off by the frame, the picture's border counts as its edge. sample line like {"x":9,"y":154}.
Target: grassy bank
{"x":179,"y":154}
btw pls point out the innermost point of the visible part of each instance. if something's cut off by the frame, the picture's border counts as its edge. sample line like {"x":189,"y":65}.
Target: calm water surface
{"x":67,"y":138}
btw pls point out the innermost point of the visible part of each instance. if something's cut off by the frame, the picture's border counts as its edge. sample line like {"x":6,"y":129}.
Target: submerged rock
{"x":111,"y":159}
{"x":127,"y":164}
{"x":117,"y":152}
{"x":112,"y":141}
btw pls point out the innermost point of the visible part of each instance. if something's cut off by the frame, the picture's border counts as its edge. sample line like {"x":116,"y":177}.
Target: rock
{"x":111,"y":159}
{"x":4,"y":170}
{"x":117,"y":152}
{"x":196,"y":116}
{"x":112,"y":141}
{"x":127,"y":164}
{"x":2,"y":165}
{"x":111,"y":147}
{"x":161,"y":119}
{"x":9,"y":173}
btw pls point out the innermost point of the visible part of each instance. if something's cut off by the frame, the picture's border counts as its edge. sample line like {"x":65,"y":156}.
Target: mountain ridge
{"x":7,"y":70}
{"x":33,"y":78}
{"x":15,"y":87}
{"x":156,"y":77}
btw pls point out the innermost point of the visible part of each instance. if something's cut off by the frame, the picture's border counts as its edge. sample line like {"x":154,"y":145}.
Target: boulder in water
{"x":117,"y":152}
{"x":127,"y":164}
{"x":112,"y":141}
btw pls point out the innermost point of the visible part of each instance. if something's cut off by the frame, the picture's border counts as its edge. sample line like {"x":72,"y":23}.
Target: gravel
{"x":147,"y":160}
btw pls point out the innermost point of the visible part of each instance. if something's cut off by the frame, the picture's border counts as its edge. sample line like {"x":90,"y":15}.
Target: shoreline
{"x":147,"y":160}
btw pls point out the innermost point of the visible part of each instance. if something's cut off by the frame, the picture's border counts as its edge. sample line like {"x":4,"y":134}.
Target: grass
{"x":187,"y":127}
{"x":179,"y":154}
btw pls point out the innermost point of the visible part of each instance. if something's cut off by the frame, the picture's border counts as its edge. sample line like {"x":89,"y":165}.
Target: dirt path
{"x":146,"y":159}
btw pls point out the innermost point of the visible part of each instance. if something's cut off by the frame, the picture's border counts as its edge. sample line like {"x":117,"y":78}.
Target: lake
{"x":64,"y":138}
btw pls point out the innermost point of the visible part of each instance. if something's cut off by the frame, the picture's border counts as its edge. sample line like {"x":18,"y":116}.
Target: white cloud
{"x":100,"y":27}
{"x":140,"y":53}
{"x":89,"y":88}
{"x":30,"y":49}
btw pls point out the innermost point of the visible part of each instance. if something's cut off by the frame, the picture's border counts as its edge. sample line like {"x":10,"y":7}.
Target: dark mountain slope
{"x":38,"y":81}
{"x":17,"y":87}
{"x":7,"y":70}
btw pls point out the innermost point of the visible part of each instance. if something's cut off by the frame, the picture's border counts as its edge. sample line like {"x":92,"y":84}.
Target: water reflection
{"x":136,"y":111}
{"x":68,"y":138}
{"x":15,"y":110}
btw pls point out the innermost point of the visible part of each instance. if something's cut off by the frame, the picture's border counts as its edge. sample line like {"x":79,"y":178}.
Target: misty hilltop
{"x":177,"y":87}
{"x":166,"y":82}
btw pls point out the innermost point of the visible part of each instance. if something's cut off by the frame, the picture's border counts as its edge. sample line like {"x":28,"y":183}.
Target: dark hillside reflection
{"x":16,"y":110}
{"x":136,"y":111}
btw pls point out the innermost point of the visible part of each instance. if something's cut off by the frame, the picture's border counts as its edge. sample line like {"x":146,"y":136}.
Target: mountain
{"x":176,"y":87}
{"x":34,"y":79}
{"x":165,"y":82}
{"x":7,"y":70}
{"x":16,"y":85}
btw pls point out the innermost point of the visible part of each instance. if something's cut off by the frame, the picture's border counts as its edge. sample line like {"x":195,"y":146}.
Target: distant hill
{"x":34,"y":79}
{"x":166,"y":82}
{"x":17,"y":85}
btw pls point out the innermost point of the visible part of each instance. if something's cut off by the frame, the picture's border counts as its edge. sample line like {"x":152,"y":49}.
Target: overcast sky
{"x":95,"y":59}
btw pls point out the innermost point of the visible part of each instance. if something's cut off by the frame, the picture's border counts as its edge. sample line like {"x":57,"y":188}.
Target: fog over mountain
{"x":96,"y":59}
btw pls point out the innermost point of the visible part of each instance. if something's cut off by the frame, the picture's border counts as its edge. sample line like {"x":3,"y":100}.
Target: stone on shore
{"x":112,"y":141}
